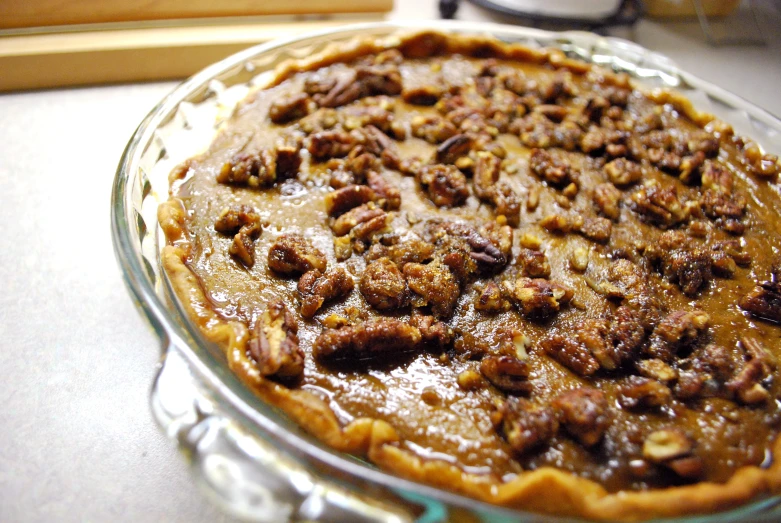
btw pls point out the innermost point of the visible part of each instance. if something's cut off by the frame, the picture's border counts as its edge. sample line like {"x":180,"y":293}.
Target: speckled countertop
{"x":77,"y":440}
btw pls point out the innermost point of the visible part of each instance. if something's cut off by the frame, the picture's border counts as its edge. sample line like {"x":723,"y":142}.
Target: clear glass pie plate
{"x":252,"y":460}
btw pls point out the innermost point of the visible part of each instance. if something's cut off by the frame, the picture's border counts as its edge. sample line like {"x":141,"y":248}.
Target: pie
{"x":496,"y":270}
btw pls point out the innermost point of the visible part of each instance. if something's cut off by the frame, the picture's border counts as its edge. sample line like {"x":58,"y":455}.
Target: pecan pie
{"x":496,"y":270}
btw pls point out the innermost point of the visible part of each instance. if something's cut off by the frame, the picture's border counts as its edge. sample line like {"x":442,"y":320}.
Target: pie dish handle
{"x":243,"y":474}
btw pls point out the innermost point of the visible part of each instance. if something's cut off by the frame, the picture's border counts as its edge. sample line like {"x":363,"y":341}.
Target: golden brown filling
{"x":514,"y":265}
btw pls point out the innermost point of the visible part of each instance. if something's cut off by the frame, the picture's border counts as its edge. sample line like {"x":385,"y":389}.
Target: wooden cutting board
{"x":57,"y":43}
{"x":37,"y":13}
{"x":61,"y":59}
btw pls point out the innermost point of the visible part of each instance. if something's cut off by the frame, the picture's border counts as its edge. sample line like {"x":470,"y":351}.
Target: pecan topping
{"x":382,"y":285}
{"x":527,"y":425}
{"x":316,"y":288}
{"x":534,"y":264}
{"x":608,"y":200}
{"x":658,"y":205}
{"x":435,"y":284}
{"x":453,"y":148}
{"x":764,"y":301}
{"x":637,"y":392}
{"x":507,"y":373}
{"x":677,"y":330}
{"x":446,"y":185}
{"x":551,"y":168}
{"x":244,"y":223}
{"x":346,"y":198}
{"x":288,"y":108}
{"x":623,"y":172}
{"x":682,"y":261}
{"x":292,"y":254}
{"x":584,"y":414}
{"x":573,"y":355}
{"x":490,"y":299}
{"x":361,"y":214}
{"x":433,"y":332}
{"x":367,"y":340}
{"x":434,"y":129}
{"x":539,"y":298}
{"x":274,"y":346}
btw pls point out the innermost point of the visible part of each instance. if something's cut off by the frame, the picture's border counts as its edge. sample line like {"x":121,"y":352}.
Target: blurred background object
{"x":56,"y":43}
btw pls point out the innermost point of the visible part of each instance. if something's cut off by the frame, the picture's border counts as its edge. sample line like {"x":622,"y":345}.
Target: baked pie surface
{"x":498,"y":271}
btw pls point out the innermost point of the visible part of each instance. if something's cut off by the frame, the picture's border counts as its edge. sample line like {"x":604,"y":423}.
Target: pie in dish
{"x":496,"y":270}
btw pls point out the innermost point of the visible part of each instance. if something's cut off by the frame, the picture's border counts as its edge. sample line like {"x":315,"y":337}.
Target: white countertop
{"x":77,"y":440}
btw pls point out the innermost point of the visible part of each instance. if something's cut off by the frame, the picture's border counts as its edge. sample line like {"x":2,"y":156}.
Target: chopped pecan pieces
{"x":551,"y":168}
{"x":534,"y":264}
{"x":367,"y":340}
{"x":383,"y":286}
{"x":446,"y":185}
{"x":288,"y":108}
{"x":682,"y":261}
{"x":764,"y":301}
{"x":262,"y":169}
{"x":346,"y":198}
{"x":507,"y":373}
{"x":435,"y":284}
{"x":388,"y":196}
{"x":434,"y":129}
{"x":527,"y":425}
{"x":656,"y":369}
{"x":379,"y":79}
{"x":673,"y":449}
{"x":623,"y":172}
{"x":637,"y":392}
{"x":596,"y":229}
{"x":233,"y":218}
{"x":486,"y":174}
{"x":361,"y":214}
{"x":409,"y":249}
{"x":677,"y":330}
{"x":422,"y":94}
{"x":244,"y":223}
{"x":584,"y":414}
{"x":539,"y":298}
{"x":274,"y":345}
{"x":658,"y":205}
{"x":293,"y":254}
{"x":608,"y":200}
{"x":666,"y":444}
{"x":573,"y":355}
{"x":490,"y":298}
{"x":332,"y":144}
{"x":316,"y":288}
{"x":433,"y":332}
{"x":453,"y":148}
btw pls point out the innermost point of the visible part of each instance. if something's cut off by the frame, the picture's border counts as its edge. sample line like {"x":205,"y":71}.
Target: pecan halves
{"x":367,"y":340}
{"x":539,"y":298}
{"x":584,"y":414}
{"x":244,"y":223}
{"x":436,"y":285}
{"x":293,"y":254}
{"x":342,"y":200}
{"x":316,"y":288}
{"x":383,"y":286}
{"x":288,"y":108}
{"x":763,"y":301}
{"x":446,"y":185}
{"x":507,"y":373}
{"x":454,"y":148}
{"x":274,"y":346}
{"x":527,"y":425}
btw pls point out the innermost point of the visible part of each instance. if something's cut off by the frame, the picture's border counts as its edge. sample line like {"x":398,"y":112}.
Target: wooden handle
{"x":36,"y":13}
{"x":132,"y":55}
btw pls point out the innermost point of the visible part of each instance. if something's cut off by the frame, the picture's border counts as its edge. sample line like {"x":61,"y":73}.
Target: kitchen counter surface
{"x":78,"y":442}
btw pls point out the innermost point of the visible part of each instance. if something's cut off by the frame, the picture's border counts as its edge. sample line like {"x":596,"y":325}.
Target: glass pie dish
{"x":249,"y":457}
